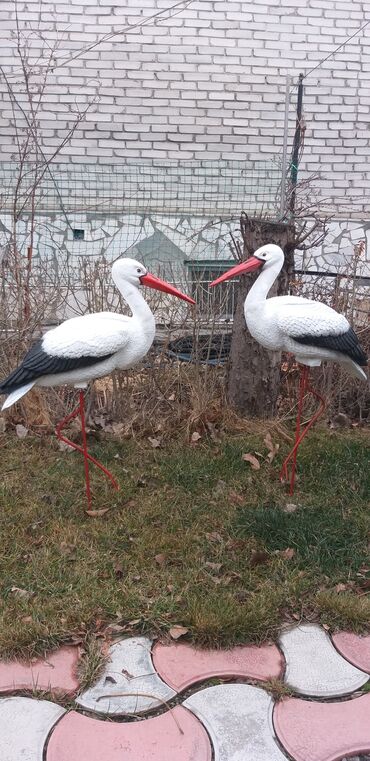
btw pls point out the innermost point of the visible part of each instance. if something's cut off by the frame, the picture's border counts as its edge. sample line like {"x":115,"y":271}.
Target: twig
{"x":142,"y":695}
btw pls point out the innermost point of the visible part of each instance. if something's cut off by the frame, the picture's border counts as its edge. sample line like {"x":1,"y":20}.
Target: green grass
{"x":194,"y":537}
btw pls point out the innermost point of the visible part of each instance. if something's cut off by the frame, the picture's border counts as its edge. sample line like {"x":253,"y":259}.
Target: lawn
{"x":195,"y":537}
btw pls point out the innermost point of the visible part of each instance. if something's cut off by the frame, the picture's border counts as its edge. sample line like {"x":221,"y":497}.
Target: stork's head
{"x":136,"y":274}
{"x":266,"y":257}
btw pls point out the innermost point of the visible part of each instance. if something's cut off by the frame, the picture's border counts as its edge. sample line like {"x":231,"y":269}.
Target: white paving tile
{"x":24,"y":726}
{"x":238,"y":719}
{"x":313,"y":665}
{"x":130,"y":681}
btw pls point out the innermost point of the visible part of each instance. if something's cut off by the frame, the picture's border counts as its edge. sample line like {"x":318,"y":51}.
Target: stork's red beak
{"x":240,"y":269}
{"x":160,"y":285}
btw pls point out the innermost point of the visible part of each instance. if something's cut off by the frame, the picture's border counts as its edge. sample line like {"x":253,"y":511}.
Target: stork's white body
{"x":99,"y":334}
{"x":279,"y":322}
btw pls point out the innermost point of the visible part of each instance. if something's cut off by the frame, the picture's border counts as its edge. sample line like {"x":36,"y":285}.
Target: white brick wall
{"x":206,"y":83}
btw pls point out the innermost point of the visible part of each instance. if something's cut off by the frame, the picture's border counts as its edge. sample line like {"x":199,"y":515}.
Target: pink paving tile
{"x":174,"y":736}
{"x":323,"y":731}
{"x":56,"y":672}
{"x":182,"y":665}
{"x":354,"y":648}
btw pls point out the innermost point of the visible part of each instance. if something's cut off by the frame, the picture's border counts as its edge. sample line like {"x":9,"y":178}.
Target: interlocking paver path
{"x":235,"y":720}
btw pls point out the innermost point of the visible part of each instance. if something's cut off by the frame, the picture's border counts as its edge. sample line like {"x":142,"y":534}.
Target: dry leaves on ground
{"x":160,"y":559}
{"x":254,"y":463}
{"x":273,"y":448}
{"x":97,"y":513}
{"x":178,"y":631}
{"x":21,"y":431}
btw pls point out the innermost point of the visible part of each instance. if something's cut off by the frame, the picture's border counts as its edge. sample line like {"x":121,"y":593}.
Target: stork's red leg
{"x":284,"y":475}
{"x":299,"y":436}
{"x":84,"y":443}
{"x":80,"y":410}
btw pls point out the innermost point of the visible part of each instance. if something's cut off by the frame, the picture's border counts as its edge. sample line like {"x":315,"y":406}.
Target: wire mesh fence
{"x":168,"y":214}
{"x":196,"y":187}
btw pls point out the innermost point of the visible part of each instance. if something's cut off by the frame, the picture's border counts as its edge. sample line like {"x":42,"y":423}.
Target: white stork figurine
{"x":310,"y":330}
{"x":91,"y":346}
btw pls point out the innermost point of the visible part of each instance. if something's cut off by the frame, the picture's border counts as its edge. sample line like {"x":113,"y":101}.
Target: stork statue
{"x":313,"y":332}
{"x":91,"y":346}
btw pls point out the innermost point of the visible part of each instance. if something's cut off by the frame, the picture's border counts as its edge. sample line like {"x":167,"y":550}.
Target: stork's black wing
{"x":38,"y":362}
{"x":346,"y":343}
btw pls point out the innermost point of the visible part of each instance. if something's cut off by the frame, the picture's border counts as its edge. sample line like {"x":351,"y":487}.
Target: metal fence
{"x":144,"y":186}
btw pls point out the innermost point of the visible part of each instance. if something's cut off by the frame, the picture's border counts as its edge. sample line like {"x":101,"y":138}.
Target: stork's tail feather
{"x":14,"y":396}
{"x":355,"y":370}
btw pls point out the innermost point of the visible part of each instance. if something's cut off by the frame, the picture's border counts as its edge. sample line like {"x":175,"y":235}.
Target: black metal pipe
{"x":296,"y":145}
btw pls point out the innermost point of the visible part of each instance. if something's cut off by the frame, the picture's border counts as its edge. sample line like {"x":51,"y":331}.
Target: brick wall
{"x":208,"y":83}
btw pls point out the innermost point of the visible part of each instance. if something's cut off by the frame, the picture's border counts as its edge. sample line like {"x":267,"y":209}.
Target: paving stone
{"x":55,"y":673}
{"x":174,"y":736}
{"x":238,"y":719}
{"x":129,"y":670}
{"x":314,"y":667}
{"x":354,"y":648}
{"x":181,"y":665}
{"x":323,"y":731}
{"x":24,"y":726}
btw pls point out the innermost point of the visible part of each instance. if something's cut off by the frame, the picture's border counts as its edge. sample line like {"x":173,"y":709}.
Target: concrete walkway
{"x":172,"y":702}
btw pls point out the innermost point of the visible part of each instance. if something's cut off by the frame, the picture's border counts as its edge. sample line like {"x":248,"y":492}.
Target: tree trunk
{"x":254,"y":373}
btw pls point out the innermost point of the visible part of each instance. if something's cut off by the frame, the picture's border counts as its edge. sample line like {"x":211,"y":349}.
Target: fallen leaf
{"x":288,"y":553}
{"x":21,"y":593}
{"x":100,"y":421}
{"x":254,"y":463}
{"x":67,"y":548}
{"x":195,"y":437}
{"x":341,"y":420}
{"x":115,"y":629}
{"x":220,"y":487}
{"x":97,"y":513}
{"x":116,"y":428}
{"x":273,"y":448}
{"x":289,"y":508}
{"x":109,"y":680}
{"x":160,"y":559}
{"x":27,"y":619}
{"x":213,"y":566}
{"x":172,"y":398}
{"x":235,"y":498}
{"x":154,"y":442}
{"x":178,"y":631}
{"x":127,"y":674}
{"x":63,"y":447}
{"x":236,"y":544}
{"x":118,"y":571}
{"x":21,"y":431}
{"x":268,"y":441}
{"x":214,"y":536}
{"x":258,"y":557}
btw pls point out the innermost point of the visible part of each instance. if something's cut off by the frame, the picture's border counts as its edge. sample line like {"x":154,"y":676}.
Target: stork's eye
{"x":139,"y":270}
